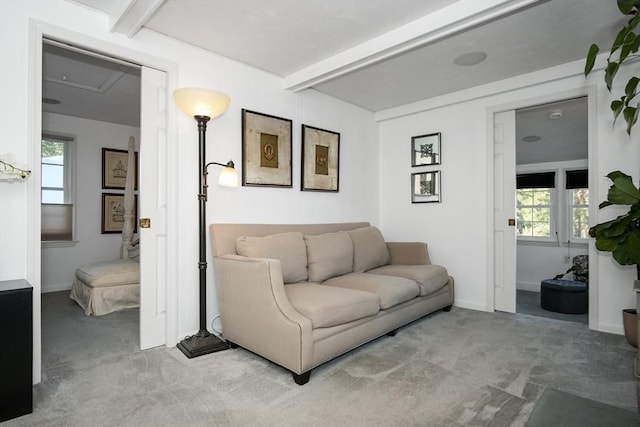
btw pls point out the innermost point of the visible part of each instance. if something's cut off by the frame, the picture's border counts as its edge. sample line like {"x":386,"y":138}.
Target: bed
{"x":104,"y":287}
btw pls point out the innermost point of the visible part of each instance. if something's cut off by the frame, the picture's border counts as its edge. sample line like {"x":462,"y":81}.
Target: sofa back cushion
{"x":329,"y":255}
{"x":369,"y":249}
{"x":289,"y":248}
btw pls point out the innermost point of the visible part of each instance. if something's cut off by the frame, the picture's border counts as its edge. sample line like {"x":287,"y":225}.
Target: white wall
{"x":59,"y":263}
{"x":457,"y":228}
{"x":537,"y":260}
{"x":189,"y":66}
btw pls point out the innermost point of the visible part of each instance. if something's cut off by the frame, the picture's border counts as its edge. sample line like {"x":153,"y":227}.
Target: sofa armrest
{"x":256,"y":313}
{"x":408,"y":253}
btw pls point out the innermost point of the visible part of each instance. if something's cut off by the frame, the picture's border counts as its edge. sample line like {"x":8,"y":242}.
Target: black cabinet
{"x":16,"y":349}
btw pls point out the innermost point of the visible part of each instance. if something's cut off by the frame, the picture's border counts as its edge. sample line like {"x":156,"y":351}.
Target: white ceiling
{"x":285,"y":36}
{"x":560,"y":139}
{"x":89,"y":86}
{"x":377,"y":54}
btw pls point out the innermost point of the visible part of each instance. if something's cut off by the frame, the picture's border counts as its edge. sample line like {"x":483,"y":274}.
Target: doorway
{"x":90,"y":102}
{"x":552,"y":207}
{"x":502,"y":276}
{"x":159,"y":322}
{"x":156,"y":146}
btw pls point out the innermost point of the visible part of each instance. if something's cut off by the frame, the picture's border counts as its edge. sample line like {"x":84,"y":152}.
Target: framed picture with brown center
{"x":425,"y":187}
{"x":266,"y":150}
{"x":320,"y":160}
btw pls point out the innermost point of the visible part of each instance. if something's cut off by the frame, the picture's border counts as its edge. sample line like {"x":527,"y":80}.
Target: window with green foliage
{"x":53,"y":171}
{"x":579,"y":210}
{"x":57,"y":189}
{"x":533,"y":211}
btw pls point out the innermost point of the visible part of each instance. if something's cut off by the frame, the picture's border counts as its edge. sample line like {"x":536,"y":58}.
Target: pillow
{"x":329,"y":255}
{"x":369,"y":249}
{"x":289,"y":248}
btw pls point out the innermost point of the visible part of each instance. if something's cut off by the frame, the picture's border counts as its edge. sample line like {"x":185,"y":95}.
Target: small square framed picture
{"x":425,"y":150}
{"x":425,"y":187}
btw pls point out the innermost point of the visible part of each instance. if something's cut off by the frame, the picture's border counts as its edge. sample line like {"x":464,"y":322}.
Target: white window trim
{"x":569,"y":206}
{"x":552,"y":223}
{"x":58,"y":244}
{"x":70,"y":186}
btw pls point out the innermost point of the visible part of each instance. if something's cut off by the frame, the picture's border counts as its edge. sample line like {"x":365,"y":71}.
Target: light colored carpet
{"x":463,"y":368}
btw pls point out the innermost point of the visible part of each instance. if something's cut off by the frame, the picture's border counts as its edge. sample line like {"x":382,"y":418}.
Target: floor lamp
{"x":204,"y":105}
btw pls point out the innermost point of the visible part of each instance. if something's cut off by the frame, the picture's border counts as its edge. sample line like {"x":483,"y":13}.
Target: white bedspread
{"x":105,"y":287}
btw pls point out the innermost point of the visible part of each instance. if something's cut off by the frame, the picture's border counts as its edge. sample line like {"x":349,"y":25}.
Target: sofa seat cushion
{"x":390,"y":290}
{"x":369,"y":249}
{"x":289,"y":248}
{"x":328,"y":306}
{"x":430,"y":277}
{"x":329,"y":255}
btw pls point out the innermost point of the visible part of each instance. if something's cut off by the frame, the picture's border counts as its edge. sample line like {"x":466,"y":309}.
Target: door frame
{"x":39,"y":30}
{"x":591,"y":93}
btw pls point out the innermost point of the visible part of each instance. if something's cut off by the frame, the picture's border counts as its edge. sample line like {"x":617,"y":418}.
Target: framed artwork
{"x":320,"y":159}
{"x":114,"y":168}
{"x":425,"y":187}
{"x":266,"y":150}
{"x":113,"y":213}
{"x":425,"y":150}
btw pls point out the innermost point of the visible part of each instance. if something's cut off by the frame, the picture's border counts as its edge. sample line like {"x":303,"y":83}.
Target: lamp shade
{"x":201,"y":102}
{"x":228,"y":177}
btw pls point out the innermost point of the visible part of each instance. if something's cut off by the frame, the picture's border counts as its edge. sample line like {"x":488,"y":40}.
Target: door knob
{"x":145,"y":222}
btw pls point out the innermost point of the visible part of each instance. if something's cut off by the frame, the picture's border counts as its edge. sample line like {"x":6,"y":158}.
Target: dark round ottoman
{"x":564,"y":296}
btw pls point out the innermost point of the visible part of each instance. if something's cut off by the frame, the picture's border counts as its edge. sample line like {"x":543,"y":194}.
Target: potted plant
{"x":621,"y":237}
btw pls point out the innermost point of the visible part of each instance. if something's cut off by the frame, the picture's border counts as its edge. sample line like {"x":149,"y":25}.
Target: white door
{"x":153,"y":205}
{"x":504,"y":178}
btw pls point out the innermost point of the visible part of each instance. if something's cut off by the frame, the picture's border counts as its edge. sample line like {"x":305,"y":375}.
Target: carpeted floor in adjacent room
{"x":449,"y":369}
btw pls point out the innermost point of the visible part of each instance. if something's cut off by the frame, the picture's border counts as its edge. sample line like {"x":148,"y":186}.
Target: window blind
{"x":577,"y":179}
{"x":536,"y":180}
{"x":57,"y":220}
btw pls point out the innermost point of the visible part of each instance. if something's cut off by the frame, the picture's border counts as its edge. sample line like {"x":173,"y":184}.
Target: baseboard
{"x":526,"y":286}
{"x":611,"y":328}
{"x":469,"y":305}
{"x":55,"y":288}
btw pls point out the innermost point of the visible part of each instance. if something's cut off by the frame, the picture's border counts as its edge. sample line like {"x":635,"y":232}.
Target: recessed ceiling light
{"x":531,"y":138}
{"x":555,"y":114}
{"x":471,"y":58}
{"x":50,"y":101}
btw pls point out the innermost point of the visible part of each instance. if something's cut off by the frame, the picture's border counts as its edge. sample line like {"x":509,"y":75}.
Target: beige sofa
{"x":302,"y":294}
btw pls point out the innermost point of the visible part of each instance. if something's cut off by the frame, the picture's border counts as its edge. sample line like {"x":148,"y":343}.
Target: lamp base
{"x":202,"y":343}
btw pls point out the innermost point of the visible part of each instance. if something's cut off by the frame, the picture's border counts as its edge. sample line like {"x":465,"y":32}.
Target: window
{"x":57,"y":188}
{"x":578,"y":195}
{"x":579,"y":213}
{"x":534,"y":205}
{"x":534,"y":212}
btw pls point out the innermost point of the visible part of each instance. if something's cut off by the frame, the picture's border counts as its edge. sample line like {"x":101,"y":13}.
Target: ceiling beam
{"x":130,"y":16}
{"x":458,"y":17}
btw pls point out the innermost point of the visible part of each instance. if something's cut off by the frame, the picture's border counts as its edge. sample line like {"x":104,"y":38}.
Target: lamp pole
{"x":202,"y":216}
{"x":203,"y":342}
